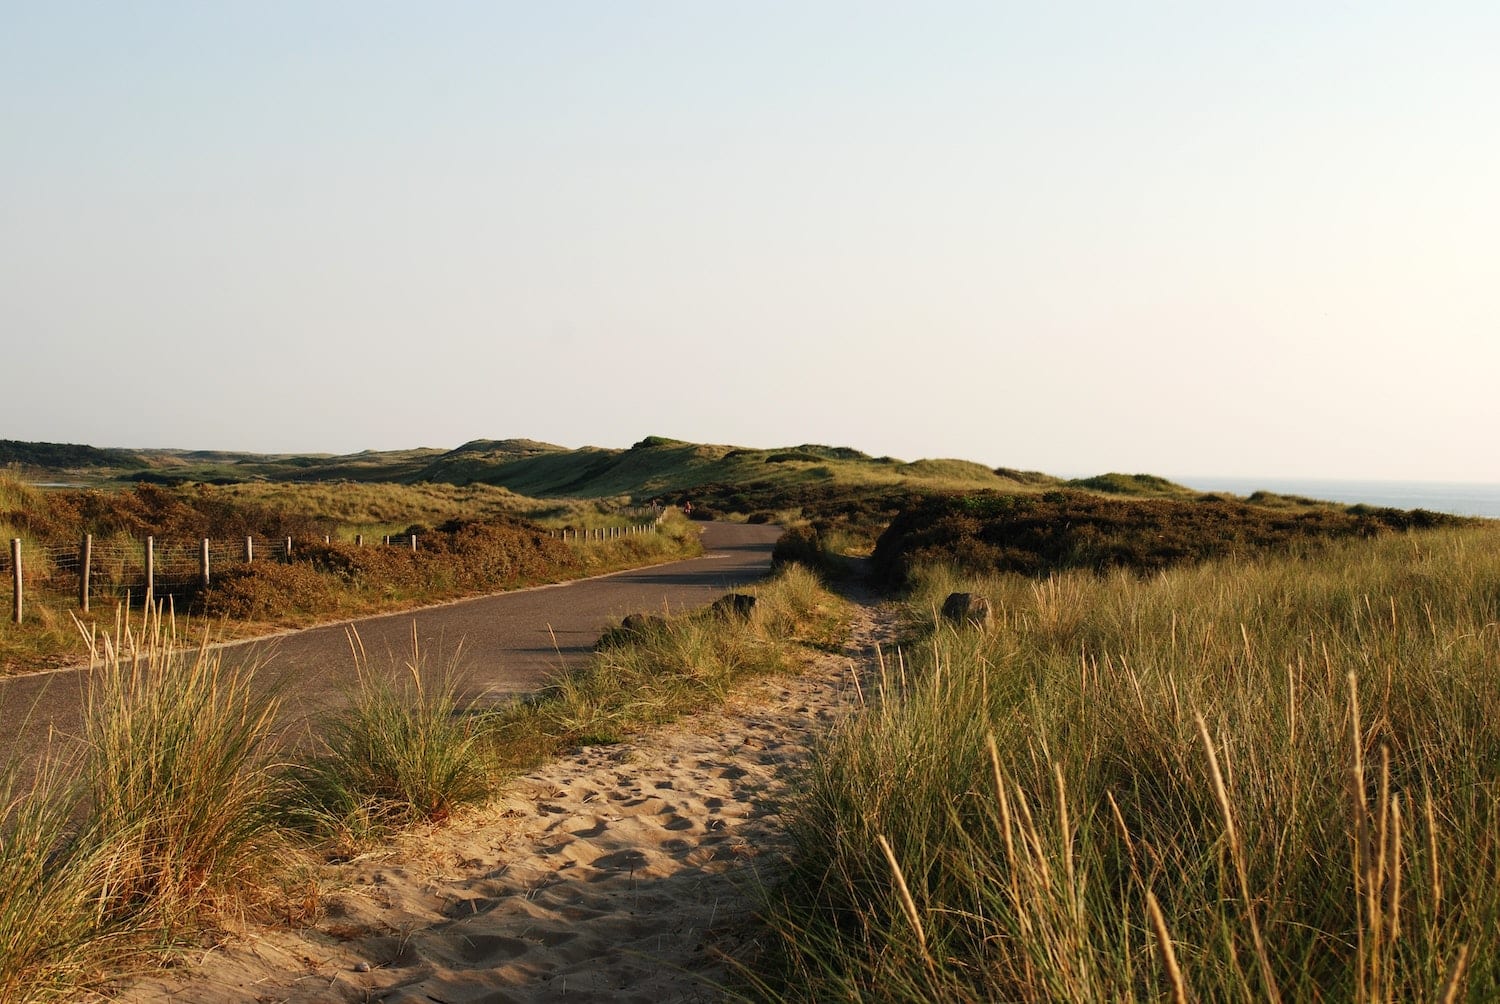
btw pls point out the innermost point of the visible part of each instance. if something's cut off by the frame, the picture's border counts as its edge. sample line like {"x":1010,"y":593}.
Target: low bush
{"x":1036,"y":535}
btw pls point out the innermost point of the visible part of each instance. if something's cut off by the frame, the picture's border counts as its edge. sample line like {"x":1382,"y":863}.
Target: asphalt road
{"x":501,"y":645}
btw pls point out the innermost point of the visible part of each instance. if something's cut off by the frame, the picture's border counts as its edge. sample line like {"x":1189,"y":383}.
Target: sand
{"x":625,"y":872}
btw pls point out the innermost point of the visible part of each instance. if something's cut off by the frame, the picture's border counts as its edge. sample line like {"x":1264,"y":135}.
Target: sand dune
{"x":619,"y":873}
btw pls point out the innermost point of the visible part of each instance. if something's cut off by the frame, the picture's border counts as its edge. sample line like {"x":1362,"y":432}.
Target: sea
{"x":1456,"y":497}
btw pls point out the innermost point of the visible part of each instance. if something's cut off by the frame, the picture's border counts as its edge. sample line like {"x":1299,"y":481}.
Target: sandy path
{"x":620,"y":873}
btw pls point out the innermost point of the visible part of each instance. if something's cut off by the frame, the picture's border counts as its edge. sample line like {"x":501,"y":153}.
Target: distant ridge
{"x":655,"y":466}
{"x":64,"y":456}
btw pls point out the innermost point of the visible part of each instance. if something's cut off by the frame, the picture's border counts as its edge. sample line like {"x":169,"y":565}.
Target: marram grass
{"x":157,"y":828}
{"x":405,"y":749}
{"x":185,"y":805}
{"x":1247,"y":781}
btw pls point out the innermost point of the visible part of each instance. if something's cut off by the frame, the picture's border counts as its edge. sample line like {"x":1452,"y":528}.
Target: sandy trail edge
{"x":618,"y":873}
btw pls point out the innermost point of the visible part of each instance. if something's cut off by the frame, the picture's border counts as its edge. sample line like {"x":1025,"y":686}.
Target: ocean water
{"x":1458,"y":498}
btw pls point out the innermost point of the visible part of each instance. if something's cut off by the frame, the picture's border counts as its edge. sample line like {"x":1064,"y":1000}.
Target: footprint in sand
{"x":596,"y":830}
{"x":486,"y":950}
{"x":629,"y":859}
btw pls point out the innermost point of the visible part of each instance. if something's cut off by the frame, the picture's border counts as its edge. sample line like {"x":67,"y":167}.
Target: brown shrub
{"x":1039,"y":534}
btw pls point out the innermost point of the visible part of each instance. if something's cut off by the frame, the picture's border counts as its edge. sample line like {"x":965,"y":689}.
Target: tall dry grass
{"x":158,"y":829}
{"x":1266,"y":780}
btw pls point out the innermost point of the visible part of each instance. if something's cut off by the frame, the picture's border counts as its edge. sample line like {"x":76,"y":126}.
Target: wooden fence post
{"x":387,"y":540}
{"x":359,"y":540}
{"x":150,"y":572}
{"x":15,"y":571}
{"x":203,"y":564}
{"x":413,"y":542}
{"x":249,"y":549}
{"x":85,"y":560}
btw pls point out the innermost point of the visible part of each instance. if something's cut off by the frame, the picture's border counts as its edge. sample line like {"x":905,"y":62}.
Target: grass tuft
{"x":406,"y":749}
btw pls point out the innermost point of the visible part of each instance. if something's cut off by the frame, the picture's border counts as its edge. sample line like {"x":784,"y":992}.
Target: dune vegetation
{"x":1269,"y":776}
{"x":189,"y":811}
{"x":468,"y":541}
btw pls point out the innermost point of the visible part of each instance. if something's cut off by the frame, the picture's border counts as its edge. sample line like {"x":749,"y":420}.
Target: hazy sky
{"x":1190,"y":237}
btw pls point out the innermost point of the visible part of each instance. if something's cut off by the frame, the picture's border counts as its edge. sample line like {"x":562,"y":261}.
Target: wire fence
{"x":127,"y":570}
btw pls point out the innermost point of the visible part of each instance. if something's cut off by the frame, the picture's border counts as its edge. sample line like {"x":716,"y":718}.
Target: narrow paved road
{"x":503,"y":644}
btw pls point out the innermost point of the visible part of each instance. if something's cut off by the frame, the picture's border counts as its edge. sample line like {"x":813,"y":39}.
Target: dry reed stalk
{"x":1358,"y":810}
{"x":1455,"y":975}
{"x":908,"y":904}
{"x":1013,"y":865}
{"x":1393,"y":891}
{"x":1237,"y":853}
{"x":1119,"y":817}
{"x":1436,"y":880}
{"x":1164,"y":945}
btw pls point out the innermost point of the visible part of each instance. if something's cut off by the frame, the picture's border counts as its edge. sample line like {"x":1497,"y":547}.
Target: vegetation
{"x":165,"y":822}
{"x":405,"y":749}
{"x":187,"y":809}
{"x":326,"y":575}
{"x":1271,"y":777}
{"x":681,"y":665}
{"x":1058,"y":530}
{"x":651,"y":467}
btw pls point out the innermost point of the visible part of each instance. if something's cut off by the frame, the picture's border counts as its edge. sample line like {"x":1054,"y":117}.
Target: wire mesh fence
{"x":123,"y":569}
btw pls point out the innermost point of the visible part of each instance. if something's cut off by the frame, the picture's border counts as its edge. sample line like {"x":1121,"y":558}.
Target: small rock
{"x":361,"y":967}
{"x":968,"y":608}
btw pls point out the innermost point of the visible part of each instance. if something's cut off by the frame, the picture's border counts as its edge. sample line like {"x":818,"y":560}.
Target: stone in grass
{"x":632,"y":628}
{"x":734,"y":605}
{"x":968,"y":608}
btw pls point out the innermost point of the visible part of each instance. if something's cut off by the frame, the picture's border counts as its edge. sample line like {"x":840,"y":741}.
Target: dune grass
{"x":405,"y":749}
{"x":1275,"y":779}
{"x":160,"y":826}
{"x":673,"y":666}
{"x":187,"y":811}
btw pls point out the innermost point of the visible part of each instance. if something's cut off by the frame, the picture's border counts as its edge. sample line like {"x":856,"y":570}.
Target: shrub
{"x":987,"y":532}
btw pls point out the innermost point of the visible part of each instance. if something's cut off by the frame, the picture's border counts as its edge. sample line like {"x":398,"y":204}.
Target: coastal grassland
{"x":189,"y":811}
{"x":1264,"y":778}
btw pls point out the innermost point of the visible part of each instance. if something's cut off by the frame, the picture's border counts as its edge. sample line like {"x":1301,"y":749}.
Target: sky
{"x":1176,"y":238}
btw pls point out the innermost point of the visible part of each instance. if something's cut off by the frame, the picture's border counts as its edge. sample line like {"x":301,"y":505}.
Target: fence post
{"x":203,"y":563}
{"x":15,"y":571}
{"x":387,"y":540}
{"x":359,"y":540}
{"x":249,"y":549}
{"x":150,"y":572}
{"x":85,"y":560}
{"x":413,"y":542}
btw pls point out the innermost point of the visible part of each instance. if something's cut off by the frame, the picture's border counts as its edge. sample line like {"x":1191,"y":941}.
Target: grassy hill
{"x":655,"y":466}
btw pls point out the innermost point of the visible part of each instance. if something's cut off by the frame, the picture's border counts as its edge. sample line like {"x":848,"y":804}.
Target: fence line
{"x":142,"y":569}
